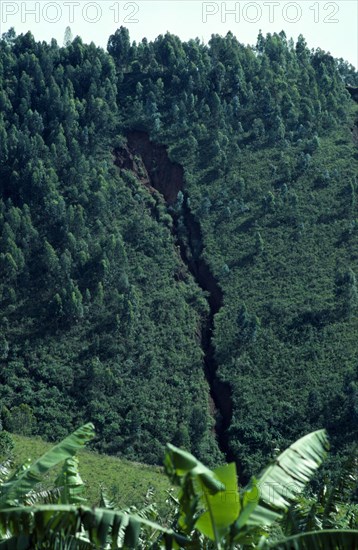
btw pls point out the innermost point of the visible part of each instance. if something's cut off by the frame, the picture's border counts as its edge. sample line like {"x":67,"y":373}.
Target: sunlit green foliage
{"x":211,"y":511}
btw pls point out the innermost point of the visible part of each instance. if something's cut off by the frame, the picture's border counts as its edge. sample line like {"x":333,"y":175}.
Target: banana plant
{"x":332,"y":507}
{"x":329,"y":539}
{"x":213,"y":512}
{"x":209,"y":500}
{"x":17,"y":487}
{"x":65,"y":524}
{"x":212,"y":504}
{"x":70,"y":483}
{"x":68,"y":526}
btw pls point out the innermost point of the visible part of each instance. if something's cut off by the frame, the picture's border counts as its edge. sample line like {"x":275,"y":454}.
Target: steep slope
{"x":290,"y":292}
{"x":96,"y":320}
{"x":270,"y":171}
{"x":150,"y":164}
{"x":126,"y":293}
{"x":277,"y":337}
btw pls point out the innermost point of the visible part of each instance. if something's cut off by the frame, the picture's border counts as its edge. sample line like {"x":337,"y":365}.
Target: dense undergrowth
{"x":100,"y":318}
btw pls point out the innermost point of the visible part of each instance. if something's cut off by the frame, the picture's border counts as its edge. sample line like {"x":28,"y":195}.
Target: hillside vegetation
{"x":101,"y":316}
{"x":125,"y":483}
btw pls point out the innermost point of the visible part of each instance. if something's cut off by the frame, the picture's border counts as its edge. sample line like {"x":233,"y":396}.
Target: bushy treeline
{"x":99,"y":318}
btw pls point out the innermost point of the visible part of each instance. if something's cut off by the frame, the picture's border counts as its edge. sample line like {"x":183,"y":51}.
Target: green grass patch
{"x":127,"y":483}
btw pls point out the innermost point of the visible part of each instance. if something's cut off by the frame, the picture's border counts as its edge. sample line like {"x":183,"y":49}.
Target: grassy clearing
{"x":126,"y":482}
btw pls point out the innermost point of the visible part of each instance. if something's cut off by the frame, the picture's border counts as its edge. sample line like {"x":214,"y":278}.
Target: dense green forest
{"x":102,"y":316}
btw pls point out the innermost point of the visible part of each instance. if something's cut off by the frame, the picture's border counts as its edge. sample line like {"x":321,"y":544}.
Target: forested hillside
{"x":179,"y":244}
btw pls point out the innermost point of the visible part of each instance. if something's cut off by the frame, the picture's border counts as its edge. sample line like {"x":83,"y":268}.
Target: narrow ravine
{"x":152,"y":166}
